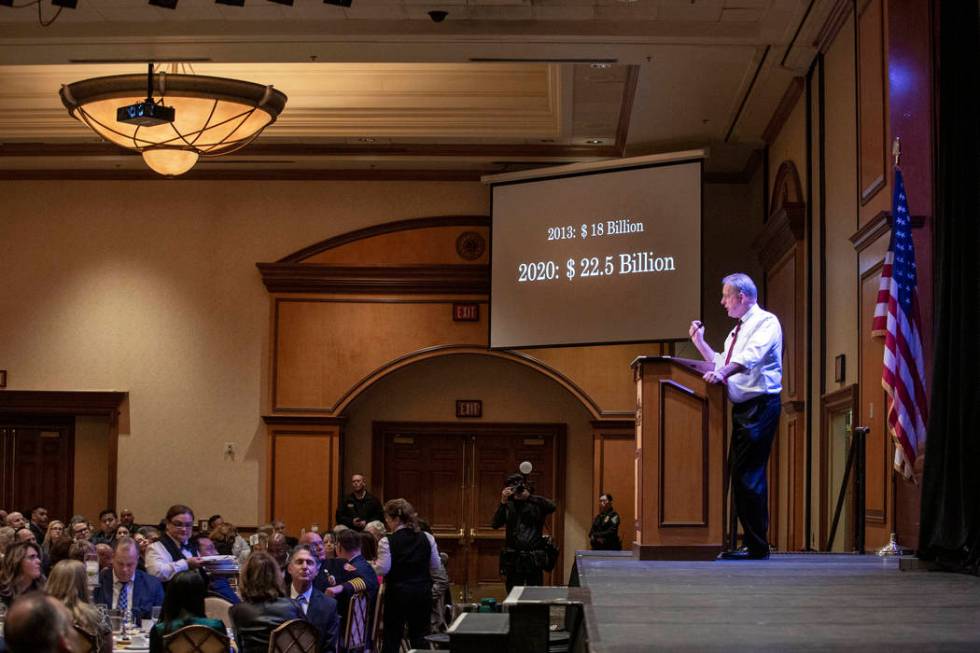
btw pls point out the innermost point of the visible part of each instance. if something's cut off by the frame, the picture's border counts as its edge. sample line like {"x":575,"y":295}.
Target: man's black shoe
{"x":743,"y":555}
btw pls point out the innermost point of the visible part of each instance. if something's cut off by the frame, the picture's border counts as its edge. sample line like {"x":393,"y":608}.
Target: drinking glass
{"x":116,"y":621}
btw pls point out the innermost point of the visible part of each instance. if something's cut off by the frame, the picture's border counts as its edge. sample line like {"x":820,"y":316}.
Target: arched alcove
{"x":518,"y":399}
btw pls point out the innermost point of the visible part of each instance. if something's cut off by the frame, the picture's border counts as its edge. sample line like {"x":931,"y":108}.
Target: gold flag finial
{"x":897,"y":149}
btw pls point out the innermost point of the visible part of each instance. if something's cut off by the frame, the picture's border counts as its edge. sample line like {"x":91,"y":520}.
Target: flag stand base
{"x":890,"y":549}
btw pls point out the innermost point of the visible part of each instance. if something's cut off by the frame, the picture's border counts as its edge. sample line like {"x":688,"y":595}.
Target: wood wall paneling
{"x":325,"y":347}
{"x":614,"y":453}
{"x":305,"y":474}
{"x":683,"y":457}
{"x":873,"y":148}
{"x":880,"y":451}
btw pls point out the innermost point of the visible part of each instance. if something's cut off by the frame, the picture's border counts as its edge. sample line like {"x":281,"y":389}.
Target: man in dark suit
{"x":39,"y":523}
{"x":354,"y":575}
{"x":123,"y":586}
{"x":320,"y":609}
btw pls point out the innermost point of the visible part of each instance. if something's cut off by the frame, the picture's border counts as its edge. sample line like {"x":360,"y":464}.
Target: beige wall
{"x":151,"y":288}
{"x":426,"y":391}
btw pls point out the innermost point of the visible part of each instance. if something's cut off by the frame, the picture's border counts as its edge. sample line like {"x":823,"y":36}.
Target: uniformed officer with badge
{"x":604,"y":534}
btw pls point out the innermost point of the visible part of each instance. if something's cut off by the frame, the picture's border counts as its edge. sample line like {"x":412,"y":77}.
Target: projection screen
{"x":611,"y":255}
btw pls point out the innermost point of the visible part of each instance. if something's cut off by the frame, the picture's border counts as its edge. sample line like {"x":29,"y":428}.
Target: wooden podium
{"x":681,"y":435}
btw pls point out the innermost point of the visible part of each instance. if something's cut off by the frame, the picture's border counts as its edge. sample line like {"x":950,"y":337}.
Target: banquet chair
{"x":217,"y":608}
{"x":195,"y":639}
{"x":356,"y":628}
{"x":379,"y":615}
{"x":86,"y":641}
{"x":294,"y":636}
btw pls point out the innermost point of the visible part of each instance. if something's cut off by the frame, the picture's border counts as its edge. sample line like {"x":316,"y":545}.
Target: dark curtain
{"x":950,"y":524}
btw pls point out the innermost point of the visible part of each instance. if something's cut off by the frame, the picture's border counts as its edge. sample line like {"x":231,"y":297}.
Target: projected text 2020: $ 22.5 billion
{"x":595,"y":266}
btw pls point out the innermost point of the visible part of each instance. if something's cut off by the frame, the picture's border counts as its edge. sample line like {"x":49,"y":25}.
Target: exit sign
{"x":466,"y":312}
{"x":469,"y":408}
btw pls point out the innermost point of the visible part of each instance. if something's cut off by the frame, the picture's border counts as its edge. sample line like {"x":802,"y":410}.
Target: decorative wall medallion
{"x":470,"y":245}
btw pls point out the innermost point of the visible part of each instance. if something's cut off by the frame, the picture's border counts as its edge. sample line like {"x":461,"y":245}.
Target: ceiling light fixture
{"x":211,"y":115}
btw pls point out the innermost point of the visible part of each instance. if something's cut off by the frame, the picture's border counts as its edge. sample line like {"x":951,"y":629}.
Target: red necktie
{"x":731,"y":348}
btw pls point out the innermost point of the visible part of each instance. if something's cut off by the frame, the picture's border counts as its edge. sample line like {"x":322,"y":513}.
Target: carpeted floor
{"x":790,"y":602}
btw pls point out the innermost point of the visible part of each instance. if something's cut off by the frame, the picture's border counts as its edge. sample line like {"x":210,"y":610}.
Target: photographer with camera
{"x":524,"y":556}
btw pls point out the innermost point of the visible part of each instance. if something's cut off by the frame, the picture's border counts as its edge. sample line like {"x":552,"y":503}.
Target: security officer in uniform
{"x":604,"y":534}
{"x":522,"y":559}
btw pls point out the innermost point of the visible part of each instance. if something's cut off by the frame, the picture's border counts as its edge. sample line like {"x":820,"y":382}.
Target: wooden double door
{"x":453,"y":475}
{"x":37,"y":458}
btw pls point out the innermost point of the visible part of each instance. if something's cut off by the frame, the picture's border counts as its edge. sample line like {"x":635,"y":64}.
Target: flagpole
{"x":893,"y":548}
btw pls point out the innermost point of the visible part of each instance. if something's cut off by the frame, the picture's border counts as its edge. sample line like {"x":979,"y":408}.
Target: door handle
{"x":462,"y":532}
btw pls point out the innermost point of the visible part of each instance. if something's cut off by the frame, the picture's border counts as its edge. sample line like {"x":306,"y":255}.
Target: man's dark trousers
{"x":754,"y":425}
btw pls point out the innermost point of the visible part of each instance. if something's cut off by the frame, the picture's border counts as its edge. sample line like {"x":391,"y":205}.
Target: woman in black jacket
{"x":264,"y":603}
{"x":405,"y":558}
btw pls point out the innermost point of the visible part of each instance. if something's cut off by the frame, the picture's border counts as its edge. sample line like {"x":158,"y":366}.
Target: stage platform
{"x":790,"y":602}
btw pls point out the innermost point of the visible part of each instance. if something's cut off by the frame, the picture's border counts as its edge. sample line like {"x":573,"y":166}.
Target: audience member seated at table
{"x":126,"y":519}
{"x":79,"y":528}
{"x":16,"y":520}
{"x":183,"y":605}
{"x":264,"y":604}
{"x":352,"y":573}
{"x":217,"y":585}
{"x":329,"y":544}
{"x":238,"y":546}
{"x":81,"y":549}
{"x":107,"y":527}
{"x":103,"y":552}
{"x":6,"y":538}
{"x":60,"y":549}
{"x":174,"y":552}
{"x":320,"y":610}
{"x":369,"y":547}
{"x":313,"y":540}
{"x":377,"y":529}
{"x":24,"y":534}
{"x":38,"y":623}
{"x":38,"y":522}
{"x":56,"y":529}
{"x":20,"y":571}
{"x":145,"y":536}
{"x":69,"y":584}
{"x":121,"y":531}
{"x":279,"y":549}
{"x":142,"y":591}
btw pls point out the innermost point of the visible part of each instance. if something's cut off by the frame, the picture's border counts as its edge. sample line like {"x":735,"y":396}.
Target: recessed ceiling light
{"x":595,"y":141}
{"x":600,"y":66}
{"x":367,"y":139}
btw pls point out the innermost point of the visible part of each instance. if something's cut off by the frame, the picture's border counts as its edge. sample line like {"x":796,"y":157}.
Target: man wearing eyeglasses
{"x":174,"y":552}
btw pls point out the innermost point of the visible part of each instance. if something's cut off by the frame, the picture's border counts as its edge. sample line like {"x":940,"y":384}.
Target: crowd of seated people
{"x":162,"y":570}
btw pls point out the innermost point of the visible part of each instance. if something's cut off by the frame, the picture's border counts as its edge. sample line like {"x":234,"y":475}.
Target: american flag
{"x":897,"y":319}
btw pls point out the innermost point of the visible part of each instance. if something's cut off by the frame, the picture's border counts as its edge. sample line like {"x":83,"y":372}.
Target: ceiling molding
{"x":385,"y":228}
{"x":835,"y":22}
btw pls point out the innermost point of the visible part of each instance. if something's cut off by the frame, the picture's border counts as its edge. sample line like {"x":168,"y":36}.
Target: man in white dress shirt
{"x":751,"y":368}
